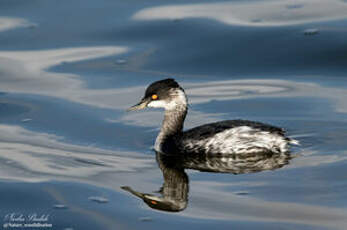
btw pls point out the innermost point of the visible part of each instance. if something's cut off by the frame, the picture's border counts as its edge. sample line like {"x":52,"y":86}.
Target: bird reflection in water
{"x":174,"y":192}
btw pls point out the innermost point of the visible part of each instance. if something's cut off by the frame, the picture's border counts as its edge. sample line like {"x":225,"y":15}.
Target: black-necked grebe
{"x":224,"y":137}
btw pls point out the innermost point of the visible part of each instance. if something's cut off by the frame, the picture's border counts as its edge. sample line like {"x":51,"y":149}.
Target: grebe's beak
{"x":141,"y":105}
{"x":138,"y":194}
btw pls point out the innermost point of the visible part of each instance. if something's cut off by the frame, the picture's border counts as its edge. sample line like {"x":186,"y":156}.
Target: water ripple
{"x":8,"y":23}
{"x":251,"y":13}
{"x":26,"y":153}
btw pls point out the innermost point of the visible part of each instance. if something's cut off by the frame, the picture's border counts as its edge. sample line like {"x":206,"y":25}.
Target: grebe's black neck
{"x":172,"y":126}
{"x":173,"y":121}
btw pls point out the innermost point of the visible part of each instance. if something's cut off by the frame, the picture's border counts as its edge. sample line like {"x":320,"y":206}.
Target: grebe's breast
{"x":234,"y":137}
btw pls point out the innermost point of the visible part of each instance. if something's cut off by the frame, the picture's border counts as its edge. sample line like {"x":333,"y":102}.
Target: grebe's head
{"x":165,"y":94}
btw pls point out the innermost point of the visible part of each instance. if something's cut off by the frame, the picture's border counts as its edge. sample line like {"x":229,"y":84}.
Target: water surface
{"x":68,"y":71}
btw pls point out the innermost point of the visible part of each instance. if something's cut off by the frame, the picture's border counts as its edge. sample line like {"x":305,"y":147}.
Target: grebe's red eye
{"x":154,"y":96}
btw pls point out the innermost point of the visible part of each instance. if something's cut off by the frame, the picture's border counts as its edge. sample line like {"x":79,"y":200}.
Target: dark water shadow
{"x":173,"y":195}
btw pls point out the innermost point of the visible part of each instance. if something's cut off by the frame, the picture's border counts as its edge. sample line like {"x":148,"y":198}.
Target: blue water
{"x":69,"y":69}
